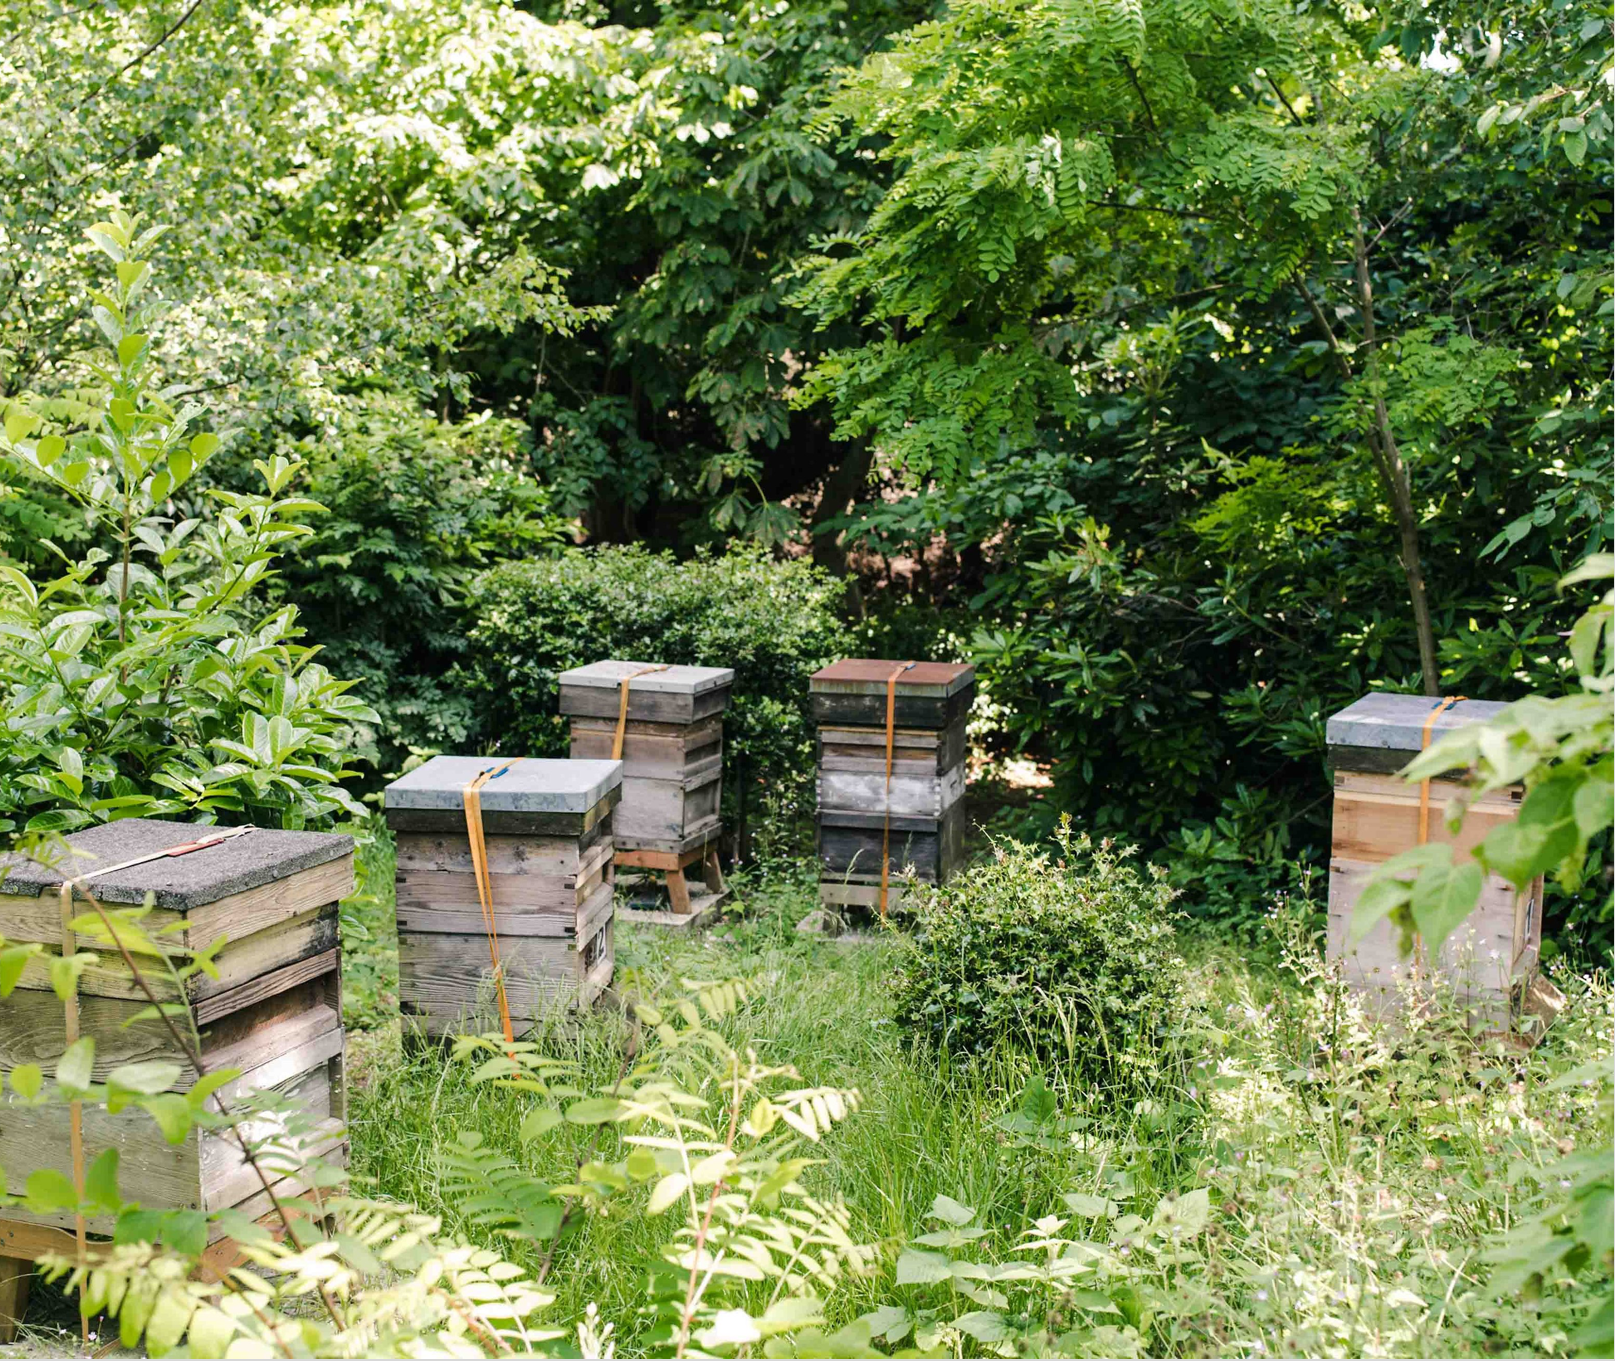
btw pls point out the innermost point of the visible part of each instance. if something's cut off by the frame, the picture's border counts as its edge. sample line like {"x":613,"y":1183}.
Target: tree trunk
{"x":1394,"y":471}
{"x":841,"y":488}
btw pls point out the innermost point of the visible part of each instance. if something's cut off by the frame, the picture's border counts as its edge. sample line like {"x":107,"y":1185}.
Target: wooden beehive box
{"x":547,"y":829}
{"x":274,"y":1012}
{"x":929,"y":848}
{"x":913,"y":818}
{"x":672,"y":755}
{"x":852,"y":693}
{"x":1376,"y":816}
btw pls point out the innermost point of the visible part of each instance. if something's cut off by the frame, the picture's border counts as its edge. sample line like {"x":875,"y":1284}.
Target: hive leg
{"x":711,"y":871}
{"x":678,"y":890}
{"x":15,"y":1275}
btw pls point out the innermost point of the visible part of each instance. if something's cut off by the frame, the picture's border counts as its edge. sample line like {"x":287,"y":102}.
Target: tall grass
{"x":1358,"y":1174}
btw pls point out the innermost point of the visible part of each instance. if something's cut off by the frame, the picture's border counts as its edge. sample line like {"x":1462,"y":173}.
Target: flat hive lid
{"x":532,"y":785}
{"x":867,"y":676}
{"x":1396,"y":722}
{"x":675,"y":680}
{"x":181,"y":882}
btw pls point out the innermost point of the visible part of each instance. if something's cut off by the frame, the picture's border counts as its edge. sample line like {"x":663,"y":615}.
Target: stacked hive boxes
{"x":273,"y":1010}
{"x":1377,"y":815}
{"x":916,"y":815}
{"x":672,"y":758}
{"x":547,"y":829}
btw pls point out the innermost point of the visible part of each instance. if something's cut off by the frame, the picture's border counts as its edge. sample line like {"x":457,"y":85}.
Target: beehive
{"x":913,"y":818}
{"x":547,"y":826}
{"x":1377,"y":816}
{"x":672,"y":753}
{"x":274,"y":1011}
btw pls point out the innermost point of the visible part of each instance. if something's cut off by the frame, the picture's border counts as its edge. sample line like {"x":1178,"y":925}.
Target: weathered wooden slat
{"x":1497,"y":945}
{"x":421,"y":890}
{"x":24,"y":918}
{"x":238,"y":963}
{"x":659,"y":751}
{"x":644,"y":705}
{"x":447,"y":980}
{"x":34,"y":1030}
{"x":936,"y":750}
{"x":550,"y":856}
{"x":907,"y":795}
{"x":660,"y":813}
{"x":933,"y":848}
{"x":151,"y":1170}
{"x":1376,"y":826}
{"x":912,"y":711}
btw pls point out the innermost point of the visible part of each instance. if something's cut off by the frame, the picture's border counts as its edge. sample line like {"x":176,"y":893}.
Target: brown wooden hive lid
{"x":868,"y":676}
{"x":178,"y":883}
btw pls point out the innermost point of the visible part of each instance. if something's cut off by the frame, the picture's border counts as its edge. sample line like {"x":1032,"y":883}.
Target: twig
{"x":140,"y":56}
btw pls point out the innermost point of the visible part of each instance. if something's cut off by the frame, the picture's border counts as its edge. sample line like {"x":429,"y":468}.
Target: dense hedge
{"x":775,"y":622}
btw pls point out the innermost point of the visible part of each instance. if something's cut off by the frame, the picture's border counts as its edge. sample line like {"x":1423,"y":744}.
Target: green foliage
{"x":1072,"y":959}
{"x":773,"y":621}
{"x":1562,"y":750}
{"x":414,"y":509}
{"x":148,"y":679}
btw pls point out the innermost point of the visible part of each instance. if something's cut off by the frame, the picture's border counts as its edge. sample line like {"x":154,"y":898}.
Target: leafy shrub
{"x":773,"y":621}
{"x":149,"y":678}
{"x":1076,"y":963}
{"x":416,"y":508}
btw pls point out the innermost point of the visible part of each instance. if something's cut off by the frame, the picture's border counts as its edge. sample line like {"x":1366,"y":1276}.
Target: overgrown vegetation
{"x":1072,"y":958}
{"x":773,"y":622}
{"x":1193,"y":369}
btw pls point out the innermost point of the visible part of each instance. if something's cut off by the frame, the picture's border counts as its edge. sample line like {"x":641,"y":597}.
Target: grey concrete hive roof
{"x":1396,"y":722}
{"x":532,"y":785}
{"x":181,"y":882}
{"x":675,"y":680}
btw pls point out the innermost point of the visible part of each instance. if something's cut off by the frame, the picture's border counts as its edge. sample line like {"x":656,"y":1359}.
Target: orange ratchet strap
{"x":1424,"y":785}
{"x":886,"y":830}
{"x":622,"y":708}
{"x":472,"y":795}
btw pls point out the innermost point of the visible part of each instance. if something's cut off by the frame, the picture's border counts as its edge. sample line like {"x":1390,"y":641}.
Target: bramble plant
{"x":147,"y":679}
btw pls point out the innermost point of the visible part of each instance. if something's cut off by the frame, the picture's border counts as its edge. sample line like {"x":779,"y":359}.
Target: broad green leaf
{"x":1090,"y":1207}
{"x":13,"y":960}
{"x":1443,"y":896}
{"x":101,"y":1182}
{"x":147,"y":1078}
{"x":27,"y":1079}
{"x":598,"y":1110}
{"x":172,"y":1113}
{"x":916,"y":1267}
{"x":74,"y":1067}
{"x":48,"y":1191}
{"x":667,"y":1191}
{"x":540,"y":1121}
{"x":950,"y":1211}
{"x":984,"y":1325}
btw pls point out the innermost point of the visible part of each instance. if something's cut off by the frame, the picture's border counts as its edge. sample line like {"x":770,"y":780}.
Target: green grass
{"x":1347,"y":1164}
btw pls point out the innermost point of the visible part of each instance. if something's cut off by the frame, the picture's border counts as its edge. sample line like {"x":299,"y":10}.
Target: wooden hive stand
{"x":528,"y":933}
{"x":1492,"y":958}
{"x":890,"y":783}
{"x":273,"y":1012}
{"x":665,"y":723}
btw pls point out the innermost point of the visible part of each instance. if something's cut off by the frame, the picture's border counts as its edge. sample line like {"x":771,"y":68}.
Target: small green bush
{"x":774,"y":621}
{"x":1072,"y":959}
